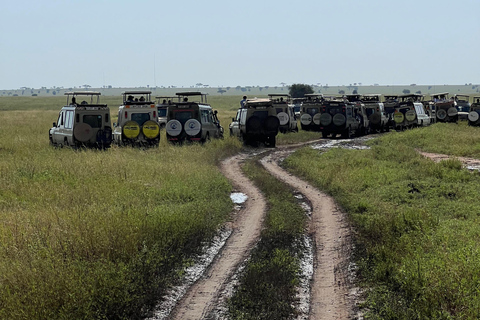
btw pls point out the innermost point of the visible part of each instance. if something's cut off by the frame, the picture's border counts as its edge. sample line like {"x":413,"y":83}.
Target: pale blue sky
{"x":222,"y":43}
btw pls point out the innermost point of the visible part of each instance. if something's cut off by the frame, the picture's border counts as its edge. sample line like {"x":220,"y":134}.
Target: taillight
{"x":378,"y":109}
{"x":343,"y":109}
{"x":324,"y":109}
{"x":154,"y":114}
{"x":126,"y":115}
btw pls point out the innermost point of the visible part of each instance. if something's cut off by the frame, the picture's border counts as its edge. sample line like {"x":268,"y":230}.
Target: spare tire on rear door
{"x":151,"y":129}
{"x":316,"y":118}
{"x":254,"y":124}
{"x":339,"y":119}
{"x":83,"y":132}
{"x":283,"y":118}
{"x":131,"y":129}
{"x":441,"y":114}
{"x":375,"y":118}
{"x":271,"y":124}
{"x":473,"y":116}
{"x":192,"y":127}
{"x":174,"y":128}
{"x":325,"y":119}
{"x":306,"y":119}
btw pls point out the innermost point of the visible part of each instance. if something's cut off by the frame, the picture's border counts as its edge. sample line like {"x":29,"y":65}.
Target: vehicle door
{"x":235,"y":125}
{"x":57,"y":132}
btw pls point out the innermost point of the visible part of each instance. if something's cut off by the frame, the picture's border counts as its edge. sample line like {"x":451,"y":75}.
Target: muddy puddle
{"x":354,"y":144}
{"x":192,"y":274}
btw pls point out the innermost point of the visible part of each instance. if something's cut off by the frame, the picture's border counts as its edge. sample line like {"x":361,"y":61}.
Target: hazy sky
{"x":226,"y":43}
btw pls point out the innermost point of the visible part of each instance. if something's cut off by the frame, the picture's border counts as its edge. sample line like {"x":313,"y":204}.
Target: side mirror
{"x":54,"y":124}
{"x":233,"y":119}
{"x":114,"y":124}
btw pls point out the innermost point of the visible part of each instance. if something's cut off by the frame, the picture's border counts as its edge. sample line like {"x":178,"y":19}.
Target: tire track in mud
{"x":330,"y":287}
{"x":328,"y":228}
{"x":202,"y":297}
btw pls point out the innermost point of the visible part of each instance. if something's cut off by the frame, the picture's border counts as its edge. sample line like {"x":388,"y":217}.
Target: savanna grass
{"x":268,"y":285}
{"x":99,"y":234}
{"x":417,"y":221}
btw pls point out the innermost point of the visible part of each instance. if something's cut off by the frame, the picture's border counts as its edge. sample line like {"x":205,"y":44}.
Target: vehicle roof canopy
{"x":190,"y":94}
{"x":278,"y":95}
{"x":439,"y":94}
{"x":84,"y":103}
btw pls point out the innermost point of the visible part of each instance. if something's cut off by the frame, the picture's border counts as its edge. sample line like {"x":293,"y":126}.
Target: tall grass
{"x":99,"y":235}
{"x":268,"y":285}
{"x":418,"y":221}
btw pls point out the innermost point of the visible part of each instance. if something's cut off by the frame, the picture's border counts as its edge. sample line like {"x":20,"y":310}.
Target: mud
{"x":471,"y":164}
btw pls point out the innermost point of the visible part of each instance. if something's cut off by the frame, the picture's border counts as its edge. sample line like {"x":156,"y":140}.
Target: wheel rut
{"x":202,"y":297}
{"x":328,"y":228}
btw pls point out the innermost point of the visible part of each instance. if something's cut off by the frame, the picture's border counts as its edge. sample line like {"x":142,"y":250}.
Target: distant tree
{"x":406,"y":91}
{"x":429,"y":87}
{"x":299,"y":90}
{"x":221,"y":91}
{"x":355,"y":91}
{"x":341,"y":91}
{"x":419,"y":92}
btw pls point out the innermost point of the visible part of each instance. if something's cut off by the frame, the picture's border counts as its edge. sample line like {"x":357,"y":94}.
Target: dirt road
{"x":247,"y":224}
{"x":332,"y":239}
{"x":329,"y":289}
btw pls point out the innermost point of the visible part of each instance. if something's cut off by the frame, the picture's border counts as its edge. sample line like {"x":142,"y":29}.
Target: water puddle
{"x":192,"y":274}
{"x":238,"y":197}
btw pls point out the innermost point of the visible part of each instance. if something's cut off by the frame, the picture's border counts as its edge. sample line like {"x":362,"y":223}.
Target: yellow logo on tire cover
{"x":398,"y":117}
{"x":131,"y":129}
{"x":150,"y":129}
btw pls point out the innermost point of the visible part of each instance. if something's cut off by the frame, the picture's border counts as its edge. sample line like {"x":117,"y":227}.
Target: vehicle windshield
{"x":334,"y":110}
{"x":279,"y":110}
{"x":95,"y":121}
{"x":162,"y":112}
{"x":370,"y":111}
{"x":389,"y":109}
{"x":140,"y":118}
{"x":312,"y":111}
{"x":463,"y":109}
{"x":261,"y":114}
{"x":183,"y":116}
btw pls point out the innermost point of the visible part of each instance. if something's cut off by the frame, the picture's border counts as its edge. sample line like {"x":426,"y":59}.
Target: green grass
{"x":417,"y":222}
{"x":268,"y":285}
{"x":99,"y":235}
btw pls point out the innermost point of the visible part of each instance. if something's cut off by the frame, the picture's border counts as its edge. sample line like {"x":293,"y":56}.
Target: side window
{"x":210,"y":116}
{"x":59,"y":121}
{"x":107,"y":118}
{"x":238,"y":116}
{"x":69,"y":120}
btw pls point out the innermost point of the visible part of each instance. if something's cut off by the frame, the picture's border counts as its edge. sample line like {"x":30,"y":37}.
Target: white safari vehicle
{"x":137,"y":123}
{"x":285,"y":112}
{"x":189,"y":120}
{"x":376,"y":112}
{"x":310,"y":112}
{"x":84,"y":123}
{"x":162,"y":107}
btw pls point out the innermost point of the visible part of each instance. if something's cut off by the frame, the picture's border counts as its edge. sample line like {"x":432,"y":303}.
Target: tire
{"x":271,"y":124}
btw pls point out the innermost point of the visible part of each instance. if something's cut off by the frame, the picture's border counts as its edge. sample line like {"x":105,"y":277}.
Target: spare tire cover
{"x":452,"y":112}
{"x":192,"y":127}
{"x":441,"y":114}
{"x":339,"y":119}
{"x":473,"y":116}
{"x":398,"y":117}
{"x":174,"y":128}
{"x":254,"y":124}
{"x":283,"y":118}
{"x":316,"y":118}
{"x":151,"y":129}
{"x":271,"y":124}
{"x":375,"y":118}
{"x":131,"y":129}
{"x":410,"y":115}
{"x":83,"y":132}
{"x":325,"y":119}
{"x":306,"y":119}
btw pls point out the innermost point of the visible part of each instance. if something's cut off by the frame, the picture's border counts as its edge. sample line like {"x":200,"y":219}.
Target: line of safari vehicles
{"x":88,"y":124}
{"x":188,"y":117}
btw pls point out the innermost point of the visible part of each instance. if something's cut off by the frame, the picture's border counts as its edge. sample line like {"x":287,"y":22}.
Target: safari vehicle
{"x":137,"y":123}
{"x":462,"y":105}
{"x":343,"y":117}
{"x":310,"y":112}
{"x":190,"y":120}
{"x":285,"y":112}
{"x":446,"y":110}
{"x":255,"y":122}
{"x":421,"y":116}
{"x":474,"y":114}
{"x":390,"y":103}
{"x":405,"y":116}
{"x":377,"y":116}
{"x":82,"y":124}
{"x":297,"y":105}
{"x":430,"y":109}
{"x":162,"y":106}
